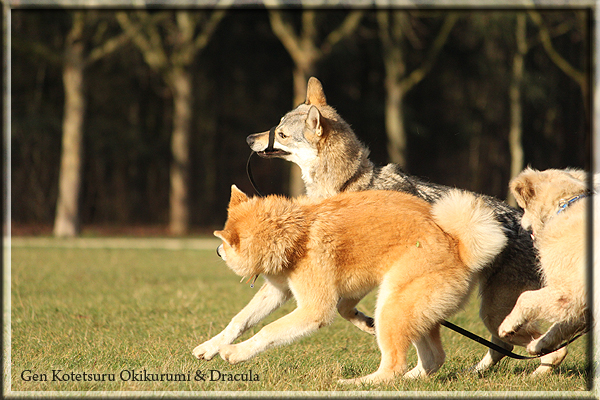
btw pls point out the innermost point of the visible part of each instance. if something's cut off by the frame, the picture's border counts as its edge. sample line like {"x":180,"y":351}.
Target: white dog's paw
{"x":508,"y":327}
{"x":533,"y":347}
{"x":206,"y":350}
{"x":234,"y":353}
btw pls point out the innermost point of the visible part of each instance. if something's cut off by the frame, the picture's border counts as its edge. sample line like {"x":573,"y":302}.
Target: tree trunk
{"x":516,"y":109}
{"x":206,"y":116}
{"x":391,"y":36}
{"x":181,"y":85}
{"x":398,"y":83}
{"x":67,"y":222}
{"x":394,"y":121}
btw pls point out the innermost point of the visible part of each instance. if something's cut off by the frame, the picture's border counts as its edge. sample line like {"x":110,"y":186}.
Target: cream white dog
{"x":555,"y":204}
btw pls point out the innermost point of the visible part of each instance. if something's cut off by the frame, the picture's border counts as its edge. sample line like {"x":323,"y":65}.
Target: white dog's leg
{"x":346,"y":308}
{"x":548,"y":304}
{"x":550,"y":361}
{"x":544,"y":303}
{"x":300,"y":322}
{"x":266,"y":300}
{"x":554,"y":337}
{"x":492,"y":356}
{"x":530,"y":305}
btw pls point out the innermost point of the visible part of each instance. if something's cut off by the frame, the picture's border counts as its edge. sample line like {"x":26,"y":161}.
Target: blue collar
{"x":564,"y":204}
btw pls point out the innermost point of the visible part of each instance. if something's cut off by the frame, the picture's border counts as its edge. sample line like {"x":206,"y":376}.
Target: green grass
{"x":106,"y":311}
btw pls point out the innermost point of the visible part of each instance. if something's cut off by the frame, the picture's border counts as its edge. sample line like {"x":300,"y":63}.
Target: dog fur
{"x":560,"y":236}
{"x":333,"y":160}
{"x":328,"y":254}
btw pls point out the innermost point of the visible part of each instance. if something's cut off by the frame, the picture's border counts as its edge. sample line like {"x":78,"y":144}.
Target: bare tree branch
{"x":304,"y":46}
{"x":285,"y":33}
{"x":108,"y":47}
{"x":150,"y":45}
{"x":418,"y":74}
{"x":391,"y":42}
{"x":39,"y":49}
{"x":578,"y":76}
{"x":383,"y":19}
{"x":211,"y":26}
{"x":76,"y":31}
{"x":346,"y":29}
{"x":309,"y":28}
{"x":186,"y":26}
{"x":556,"y":31}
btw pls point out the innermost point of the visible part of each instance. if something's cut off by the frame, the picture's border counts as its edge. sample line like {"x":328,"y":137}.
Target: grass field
{"x":124,"y":312}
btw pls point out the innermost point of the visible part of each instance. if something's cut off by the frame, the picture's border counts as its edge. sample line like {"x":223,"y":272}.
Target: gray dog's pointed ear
{"x":237,"y":196}
{"x":313,"y":121}
{"x":314,"y":93}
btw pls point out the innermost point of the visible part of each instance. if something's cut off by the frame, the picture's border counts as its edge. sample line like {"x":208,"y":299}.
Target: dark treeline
{"x":457,"y":118}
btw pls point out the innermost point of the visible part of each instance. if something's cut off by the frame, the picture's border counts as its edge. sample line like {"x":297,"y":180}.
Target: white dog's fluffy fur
{"x":560,"y":235}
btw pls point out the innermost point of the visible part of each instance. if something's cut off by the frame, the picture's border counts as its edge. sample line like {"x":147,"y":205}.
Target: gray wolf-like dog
{"x":329,"y":253}
{"x":332,"y":159}
{"x":555,"y":209}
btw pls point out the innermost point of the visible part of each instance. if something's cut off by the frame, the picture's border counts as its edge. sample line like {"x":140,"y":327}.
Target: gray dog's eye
{"x":282,"y":135}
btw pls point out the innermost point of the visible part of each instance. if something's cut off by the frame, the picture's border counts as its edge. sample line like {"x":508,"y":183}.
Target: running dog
{"x":555,"y":204}
{"x":328,"y":254}
{"x":333,"y":160}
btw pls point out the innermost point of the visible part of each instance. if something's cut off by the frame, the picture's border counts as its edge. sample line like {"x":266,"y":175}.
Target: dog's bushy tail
{"x":466,"y":217}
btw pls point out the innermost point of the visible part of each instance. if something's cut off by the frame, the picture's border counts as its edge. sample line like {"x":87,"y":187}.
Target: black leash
{"x":249,"y":167}
{"x":500,"y":349}
{"x":447,"y":324}
{"x":271,"y":139}
{"x":250,"y":177}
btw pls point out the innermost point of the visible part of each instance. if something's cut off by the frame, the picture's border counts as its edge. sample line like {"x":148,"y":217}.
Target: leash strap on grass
{"x":500,"y":349}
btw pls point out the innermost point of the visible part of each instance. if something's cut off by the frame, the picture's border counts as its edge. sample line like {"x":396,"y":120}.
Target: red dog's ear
{"x":314,"y":93}
{"x":523,"y":188}
{"x":228,"y":236}
{"x":237,"y":196}
{"x":222,"y":235}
